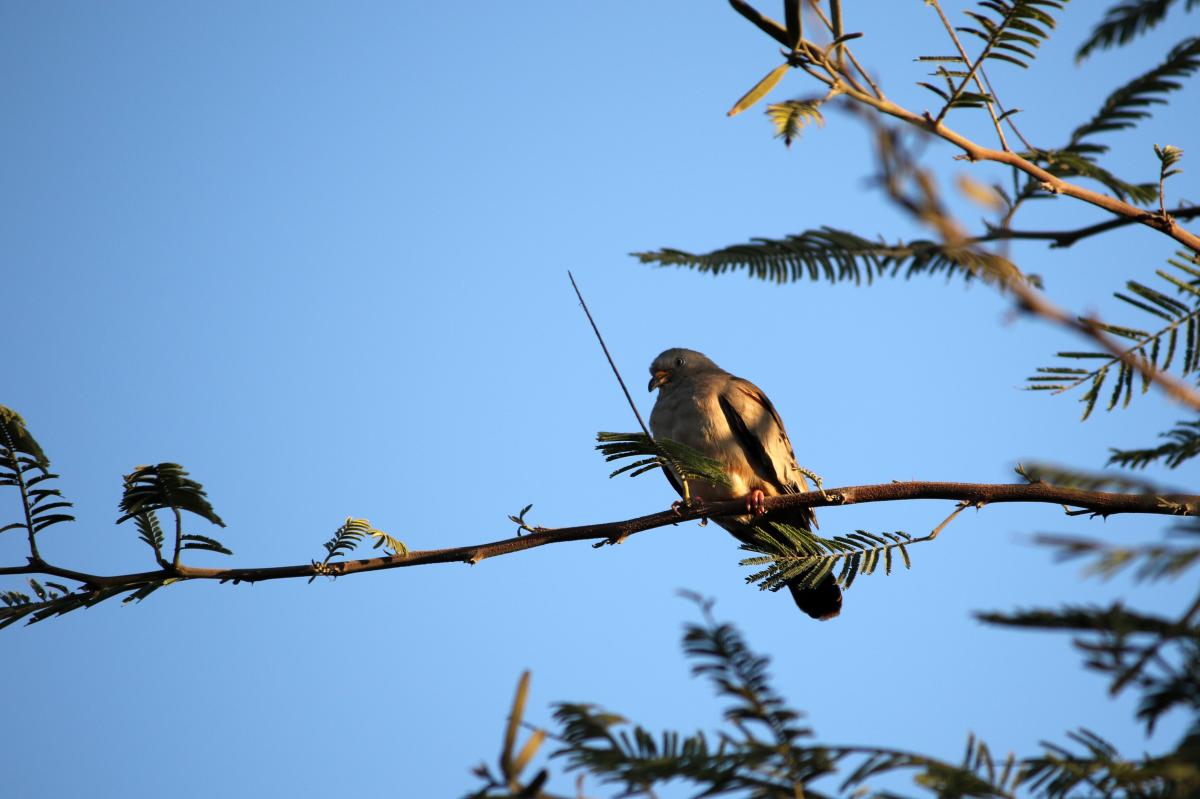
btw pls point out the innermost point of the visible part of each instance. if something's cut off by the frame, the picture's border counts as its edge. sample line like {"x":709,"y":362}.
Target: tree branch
{"x":1065,"y":238}
{"x":976,"y":68}
{"x":924,"y":205}
{"x":974,"y":152}
{"x":1049,"y":182}
{"x":1097,"y":502}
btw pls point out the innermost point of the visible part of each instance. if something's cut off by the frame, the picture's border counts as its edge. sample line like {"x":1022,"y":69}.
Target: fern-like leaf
{"x":1132,"y":102}
{"x":1012,"y":29}
{"x":194,"y":541}
{"x":1125,"y":21}
{"x":1149,"y":562}
{"x":1182,"y":444}
{"x":391,"y":545}
{"x":24,"y":465}
{"x":1177,"y":304}
{"x":1067,"y":163}
{"x":1168,"y":157}
{"x":346,"y":538}
{"x":792,"y":555}
{"x":1068,"y":477}
{"x":837,"y":255}
{"x":18,"y":441}
{"x":614,"y":750}
{"x":150,"y":531}
{"x":684,"y":461}
{"x":165,"y":485}
{"x":790,"y":117}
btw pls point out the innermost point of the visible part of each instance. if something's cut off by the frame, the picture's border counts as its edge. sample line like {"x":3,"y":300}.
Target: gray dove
{"x":731,"y":421}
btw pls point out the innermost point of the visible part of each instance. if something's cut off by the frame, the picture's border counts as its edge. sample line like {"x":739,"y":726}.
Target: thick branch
{"x":1164,"y":223}
{"x":1049,"y":182}
{"x":1098,"y":502}
{"x":1065,"y":238}
{"x":924,"y":205}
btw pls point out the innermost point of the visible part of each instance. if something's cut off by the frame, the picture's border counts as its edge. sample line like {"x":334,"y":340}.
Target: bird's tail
{"x":822,"y":601}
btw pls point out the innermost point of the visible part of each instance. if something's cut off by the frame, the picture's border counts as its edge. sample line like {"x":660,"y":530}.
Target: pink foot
{"x":754,"y":502}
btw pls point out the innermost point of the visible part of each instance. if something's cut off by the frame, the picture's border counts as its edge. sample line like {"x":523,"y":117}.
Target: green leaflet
{"x":1125,"y":21}
{"x":791,"y":554}
{"x":837,"y":255}
{"x":1176,"y":302}
{"x":759,"y":90}
{"x":654,"y":453}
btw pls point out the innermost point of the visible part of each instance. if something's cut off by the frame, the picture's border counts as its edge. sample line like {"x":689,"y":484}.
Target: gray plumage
{"x":731,"y":421}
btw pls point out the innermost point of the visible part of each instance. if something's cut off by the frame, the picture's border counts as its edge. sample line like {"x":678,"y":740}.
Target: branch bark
{"x":1065,"y":238}
{"x":1098,"y":502}
{"x":844,"y":84}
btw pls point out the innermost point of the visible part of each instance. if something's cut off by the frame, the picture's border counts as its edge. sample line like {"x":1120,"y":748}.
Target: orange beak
{"x":660,"y":378}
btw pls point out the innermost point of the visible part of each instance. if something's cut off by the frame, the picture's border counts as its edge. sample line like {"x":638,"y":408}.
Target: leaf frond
{"x":25,"y":466}
{"x":792,"y":555}
{"x":1181,"y":445}
{"x":194,"y":541}
{"x":165,"y":485}
{"x":1077,"y":162}
{"x":684,"y":461}
{"x":790,"y":117}
{"x":150,"y":531}
{"x":1133,"y":101}
{"x":1176,"y":302}
{"x":1150,"y":562}
{"x":1157,"y":654}
{"x":1125,"y":21}
{"x":836,"y":255}
{"x":1069,"y":477}
{"x":1011,"y":32}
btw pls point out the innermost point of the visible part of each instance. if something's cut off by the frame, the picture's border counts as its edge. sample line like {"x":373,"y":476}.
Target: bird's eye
{"x":679,"y":361}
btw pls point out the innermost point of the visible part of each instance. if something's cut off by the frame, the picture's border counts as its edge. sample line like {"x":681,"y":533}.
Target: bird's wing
{"x":759,"y":431}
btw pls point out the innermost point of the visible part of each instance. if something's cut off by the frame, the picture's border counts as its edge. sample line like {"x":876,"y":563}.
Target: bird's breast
{"x":697,"y":422}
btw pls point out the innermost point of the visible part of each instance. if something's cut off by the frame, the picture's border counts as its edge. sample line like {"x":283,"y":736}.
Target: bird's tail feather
{"x":822,"y":601}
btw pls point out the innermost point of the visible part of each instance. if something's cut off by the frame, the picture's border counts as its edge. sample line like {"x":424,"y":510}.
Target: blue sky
{"x":317,"y":253}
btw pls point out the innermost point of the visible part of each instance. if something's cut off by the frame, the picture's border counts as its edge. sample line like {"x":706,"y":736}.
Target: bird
{"x":730,"y":420}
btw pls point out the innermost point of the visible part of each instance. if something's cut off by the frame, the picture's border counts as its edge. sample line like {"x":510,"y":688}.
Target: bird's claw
{"x":755,"y":502}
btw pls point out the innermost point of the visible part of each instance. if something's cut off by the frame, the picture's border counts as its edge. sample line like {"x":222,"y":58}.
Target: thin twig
{"x":924,"y":204}
{"x":974,"y":74}
{"x":1003,"y":113}
{"x":845,"y":48}
{"x":957,"y":510}
{"x":1046,"y":180}
{"x":604,"y":347}
{"x":974,"y":152}
{"x":178,"y":537}
{"x":1065,"y":238}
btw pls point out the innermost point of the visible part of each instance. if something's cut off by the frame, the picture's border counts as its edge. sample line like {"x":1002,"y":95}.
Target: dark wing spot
{"x":751,"y":391}
{"x":756,"y":453}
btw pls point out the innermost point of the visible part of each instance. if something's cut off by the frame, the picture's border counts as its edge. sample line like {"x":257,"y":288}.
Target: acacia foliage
{"x":761,"y":749}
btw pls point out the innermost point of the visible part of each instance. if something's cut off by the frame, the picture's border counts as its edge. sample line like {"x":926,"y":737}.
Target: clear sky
{"x":317,"y":253}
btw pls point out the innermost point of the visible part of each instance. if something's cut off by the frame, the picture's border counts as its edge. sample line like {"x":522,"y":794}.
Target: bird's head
{"x":677,"y":365}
